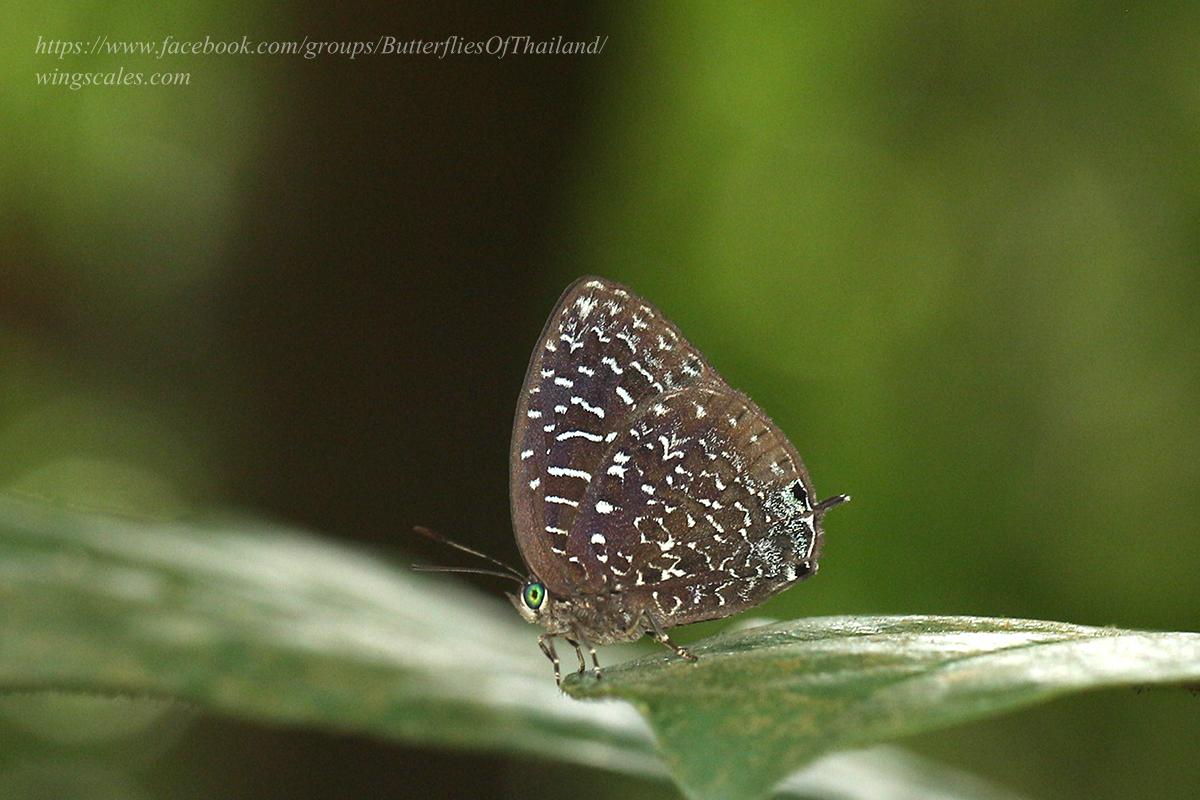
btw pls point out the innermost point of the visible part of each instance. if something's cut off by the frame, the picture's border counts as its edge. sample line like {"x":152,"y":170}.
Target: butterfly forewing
{"x":702,"y":505}
{"x":603,"y":357}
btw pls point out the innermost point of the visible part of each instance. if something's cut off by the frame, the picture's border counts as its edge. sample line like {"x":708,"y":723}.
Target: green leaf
{"x":270,"y":624}
{"x":773,"y":698}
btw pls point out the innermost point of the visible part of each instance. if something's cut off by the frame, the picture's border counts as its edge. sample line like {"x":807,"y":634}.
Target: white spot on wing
{"x":597,"y":410}
{"x":585,"y":304}
{"x":644,"y":372}
{"x":591,"y":437}
{"x":567,"y":472}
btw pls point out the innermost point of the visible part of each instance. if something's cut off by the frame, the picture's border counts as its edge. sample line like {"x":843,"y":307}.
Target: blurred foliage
{"x":266,"y":623}
{"x":951,"y":249}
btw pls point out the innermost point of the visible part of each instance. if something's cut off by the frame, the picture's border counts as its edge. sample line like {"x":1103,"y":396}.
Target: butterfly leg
{"x":595,"y":661}
{"x":546,"y":642}
{"x":661,"y":637}
{"x":578,"y":654}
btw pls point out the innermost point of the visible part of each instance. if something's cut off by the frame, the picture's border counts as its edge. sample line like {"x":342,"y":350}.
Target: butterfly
{"x":646,"y":492}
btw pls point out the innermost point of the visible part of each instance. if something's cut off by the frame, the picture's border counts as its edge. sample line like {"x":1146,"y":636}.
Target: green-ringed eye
{"x":534,"y":595}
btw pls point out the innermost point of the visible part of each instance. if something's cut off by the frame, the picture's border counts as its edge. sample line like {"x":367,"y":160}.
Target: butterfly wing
{"x":701,"y":508}
{"x":603,"y":356}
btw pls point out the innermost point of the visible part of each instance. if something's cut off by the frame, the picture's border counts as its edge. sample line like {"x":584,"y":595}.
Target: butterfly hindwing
{"x":701,"y":505}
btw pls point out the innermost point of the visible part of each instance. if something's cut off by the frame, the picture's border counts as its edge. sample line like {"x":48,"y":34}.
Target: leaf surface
{"x":268,"y":623}
{"x":775,"y":697}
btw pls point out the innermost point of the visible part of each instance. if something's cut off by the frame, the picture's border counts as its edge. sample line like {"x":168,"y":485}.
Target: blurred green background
{"x":950,"y":248}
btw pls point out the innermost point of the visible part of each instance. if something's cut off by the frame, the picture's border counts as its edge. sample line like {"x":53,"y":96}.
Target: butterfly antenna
{"x":437,"y":537}
{"x":471,"y":570}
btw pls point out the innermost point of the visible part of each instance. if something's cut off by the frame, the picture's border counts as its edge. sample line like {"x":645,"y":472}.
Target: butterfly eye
{"x":534,"y":595}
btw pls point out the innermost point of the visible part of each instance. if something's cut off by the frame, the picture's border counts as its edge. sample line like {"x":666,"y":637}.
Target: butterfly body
{"x":646,"y":492}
